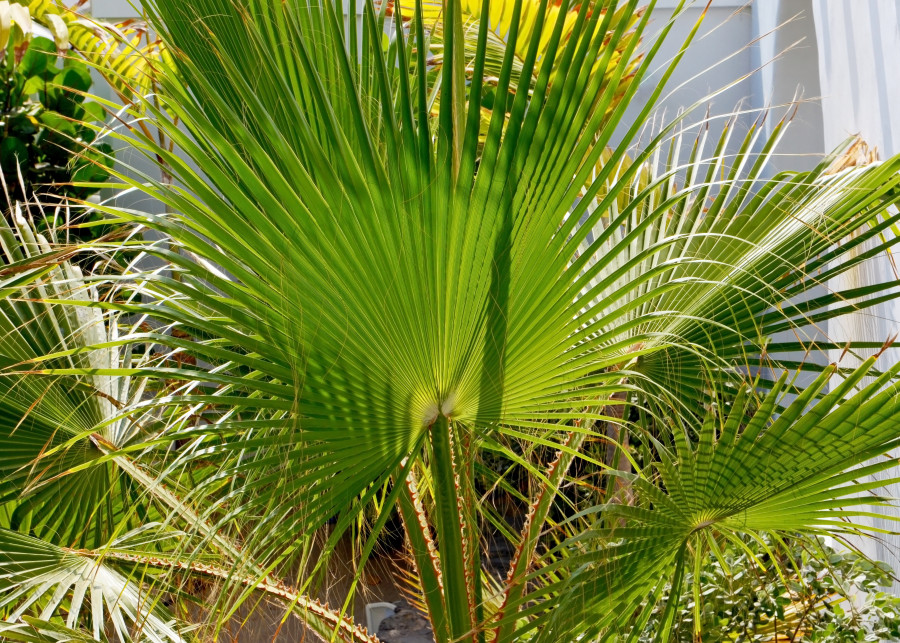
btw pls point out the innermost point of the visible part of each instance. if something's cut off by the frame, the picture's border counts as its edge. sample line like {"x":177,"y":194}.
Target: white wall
{"x":860,"y":92}
{"x":112,"y":9}
{"x":718,"y":56}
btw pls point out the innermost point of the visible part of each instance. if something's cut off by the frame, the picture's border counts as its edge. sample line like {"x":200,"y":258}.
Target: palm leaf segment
{"x":93,"y":591}
{"x":711,"y":488}
{"x":55,"y":483}
{"x":54,"y":428}
{"x":366,"y":278}
{"x":71,"y":491}
{"x":498,"y":36}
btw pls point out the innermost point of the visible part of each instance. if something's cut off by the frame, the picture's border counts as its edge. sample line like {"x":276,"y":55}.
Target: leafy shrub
{"x":45,"y":118}
{"x":806,"y":592}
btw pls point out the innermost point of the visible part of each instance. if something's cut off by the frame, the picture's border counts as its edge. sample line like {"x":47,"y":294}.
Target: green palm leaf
{"x":801,"y":470}
{"x":54,"y":428}
{"x":66,"y":437}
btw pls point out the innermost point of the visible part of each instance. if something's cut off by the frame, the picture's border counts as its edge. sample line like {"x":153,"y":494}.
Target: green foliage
{"x":48,"y":137}
{"x":873,"y":616}
{"x":805,"y":592}
{"x":126,"y":54}
{"x":360,"y":290}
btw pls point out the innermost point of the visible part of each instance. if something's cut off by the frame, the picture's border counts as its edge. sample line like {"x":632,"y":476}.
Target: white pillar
{"x":787,"y":57}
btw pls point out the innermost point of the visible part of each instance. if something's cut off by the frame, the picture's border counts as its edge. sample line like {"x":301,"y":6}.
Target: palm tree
{"x":360,"y":295}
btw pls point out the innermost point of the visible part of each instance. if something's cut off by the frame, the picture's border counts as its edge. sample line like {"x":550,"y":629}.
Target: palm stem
{"x":451,"y":540}
{"x":531,"y":531}
{"x":424,"y":557}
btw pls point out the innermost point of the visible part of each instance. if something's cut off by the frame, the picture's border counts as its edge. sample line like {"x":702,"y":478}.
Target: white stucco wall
{"x":860,"y":42}
{"x":112,"y":9}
